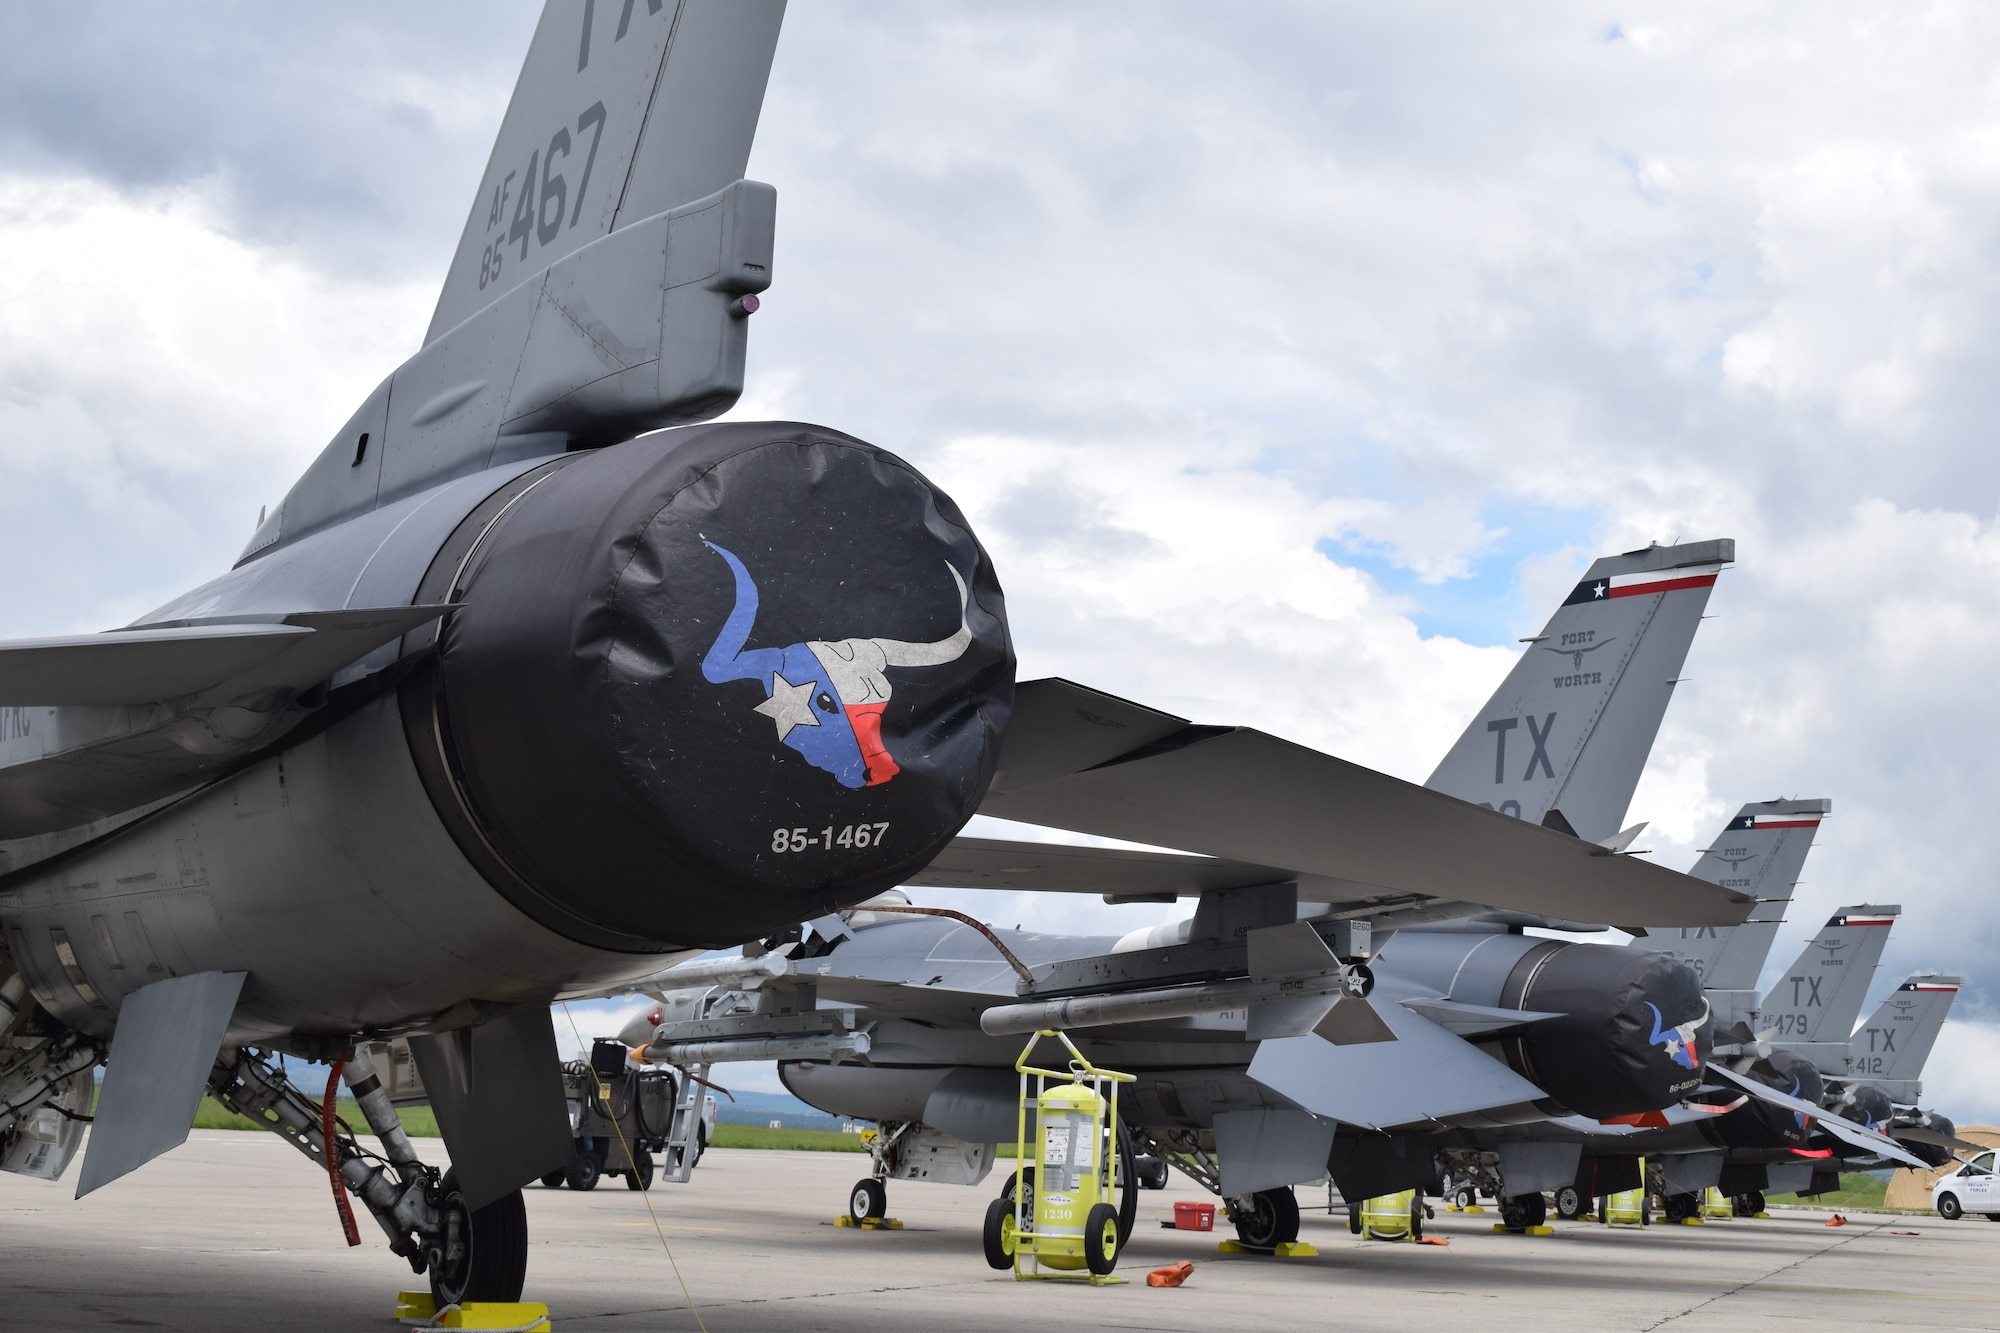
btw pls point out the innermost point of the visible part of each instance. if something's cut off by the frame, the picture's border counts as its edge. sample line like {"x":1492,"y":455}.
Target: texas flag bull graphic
{"x":826,"y":698}
{"x":1679,"y":1039}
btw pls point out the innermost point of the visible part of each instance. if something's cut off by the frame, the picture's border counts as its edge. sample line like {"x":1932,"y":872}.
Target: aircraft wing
{"x":169,"y":706}
{"x":1347,"y":833}
{"x":222,"y":661}
{"x":1845,"y":1130}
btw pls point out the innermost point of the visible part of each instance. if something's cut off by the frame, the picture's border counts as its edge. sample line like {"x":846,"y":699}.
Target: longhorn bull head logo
{"x":826,"y":698}
{"x":1678,"y":1041}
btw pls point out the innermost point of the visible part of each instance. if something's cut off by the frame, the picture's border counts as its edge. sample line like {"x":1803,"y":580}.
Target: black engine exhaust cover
{"x":710,"y":682}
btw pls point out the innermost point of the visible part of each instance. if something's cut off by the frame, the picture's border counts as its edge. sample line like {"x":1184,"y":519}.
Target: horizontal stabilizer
{"x":215,"y":662}
{"x":1924,"y":1134}
{"x":1059,"y":728}
{"x":1845,"y":1130}
{"x":1473,"y":1020}
{"x":1242,"y":794}
{"x":1425,"y":1073}
{"x":932,"y":1004}
{"x":1053,"y":867}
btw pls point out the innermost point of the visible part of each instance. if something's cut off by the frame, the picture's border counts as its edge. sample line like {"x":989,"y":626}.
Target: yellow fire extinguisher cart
{"x":1060,"y":1221}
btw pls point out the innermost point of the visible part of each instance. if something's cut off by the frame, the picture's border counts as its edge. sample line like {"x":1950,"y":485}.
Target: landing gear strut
{"x":470,"y":1254}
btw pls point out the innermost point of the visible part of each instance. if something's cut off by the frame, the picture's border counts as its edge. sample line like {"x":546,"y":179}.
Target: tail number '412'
{"x":853,"y":835}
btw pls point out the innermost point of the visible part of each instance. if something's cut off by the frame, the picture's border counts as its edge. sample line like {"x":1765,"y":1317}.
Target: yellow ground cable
{"x":646,"y":1195}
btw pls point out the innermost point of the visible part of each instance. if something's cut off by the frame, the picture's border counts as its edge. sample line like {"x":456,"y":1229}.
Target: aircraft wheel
{"x":641,"y":1177}
{"x":1465,"y":1196}
{"x":1949,"y":1208}
{"x":1518,"y":1212}
{"x":585,"y":1170}
{"x":998,"y":1234}
{"x":1993,"y":1217}
{"x":483,"y":1254}
{"x":1100,"y":1239}
{"x":1679,"y":1207}
{"x":1128,"y":1191}
{"x":870,"y":1199}
{"x":1267,"y":1219}
{"x":553,"y":1180}
{"x":1569,"y":1203}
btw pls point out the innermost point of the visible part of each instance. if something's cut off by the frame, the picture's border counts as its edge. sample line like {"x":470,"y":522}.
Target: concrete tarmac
{"x":235,"y":1231}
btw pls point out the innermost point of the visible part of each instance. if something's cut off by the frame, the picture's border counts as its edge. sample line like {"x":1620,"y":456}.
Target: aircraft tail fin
{"x":1759,"y":852}
{"x":1891,"y":1047}
{"x":1571,"y":726}
{"x":1819,"y":996}
{"x":624,"y":109}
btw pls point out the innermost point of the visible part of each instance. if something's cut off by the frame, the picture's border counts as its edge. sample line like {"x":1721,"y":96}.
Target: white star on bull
{"x":789,"y":705}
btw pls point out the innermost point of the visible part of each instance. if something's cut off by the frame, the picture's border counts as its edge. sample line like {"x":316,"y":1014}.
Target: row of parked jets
{"x":1529,"y":1067}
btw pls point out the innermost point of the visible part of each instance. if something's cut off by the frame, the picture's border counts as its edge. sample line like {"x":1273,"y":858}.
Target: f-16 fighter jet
{"x":518,"y":696}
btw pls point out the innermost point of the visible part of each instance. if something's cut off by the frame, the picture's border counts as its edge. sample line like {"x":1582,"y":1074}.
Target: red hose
{"x":326,"y":1108}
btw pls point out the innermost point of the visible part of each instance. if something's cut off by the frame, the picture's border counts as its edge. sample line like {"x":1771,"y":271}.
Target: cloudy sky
{"x":1290,"y":358}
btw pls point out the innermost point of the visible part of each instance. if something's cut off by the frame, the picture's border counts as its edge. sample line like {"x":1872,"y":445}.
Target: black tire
{"x":1151,"y":1171}
{"x":1604,"y":1209}
{"x":1949,"y":1208}
{"x":585,"y":1170}
{"x":1518,"y":1212}
{"x":1267,"y":1219}
{"x":1100,"y":1239}
{"x":998,"y":1234}
{"x":1128,"y":1188}
{"x":553,"y":1180}
{"x":1680,"y":1207}
{"x":1645,"y":1210}
{"x":869,"y":1199}
{"x":1569,"y":1203}
{"x":1756,"y":1198}
{"x":1465,"y":1196}
{"x":1992,"y":1217}
{"x":641,"y":1176}
{"x":483,"y":1255}
{"x":1354,"y":1219}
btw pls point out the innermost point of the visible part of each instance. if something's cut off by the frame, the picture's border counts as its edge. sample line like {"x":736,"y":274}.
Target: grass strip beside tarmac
{"x":420,"y":1123}
{"x":1856,"y":1191}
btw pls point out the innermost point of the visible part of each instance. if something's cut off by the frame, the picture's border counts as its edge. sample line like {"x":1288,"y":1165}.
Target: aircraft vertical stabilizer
{"x":607,"y":272}
{"x":1571,"y":726}
{"x":1890,"y":1049}
{"x":1814,"y":1004}
{"x":623,"y":110}
{"x":1761,"y":852}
